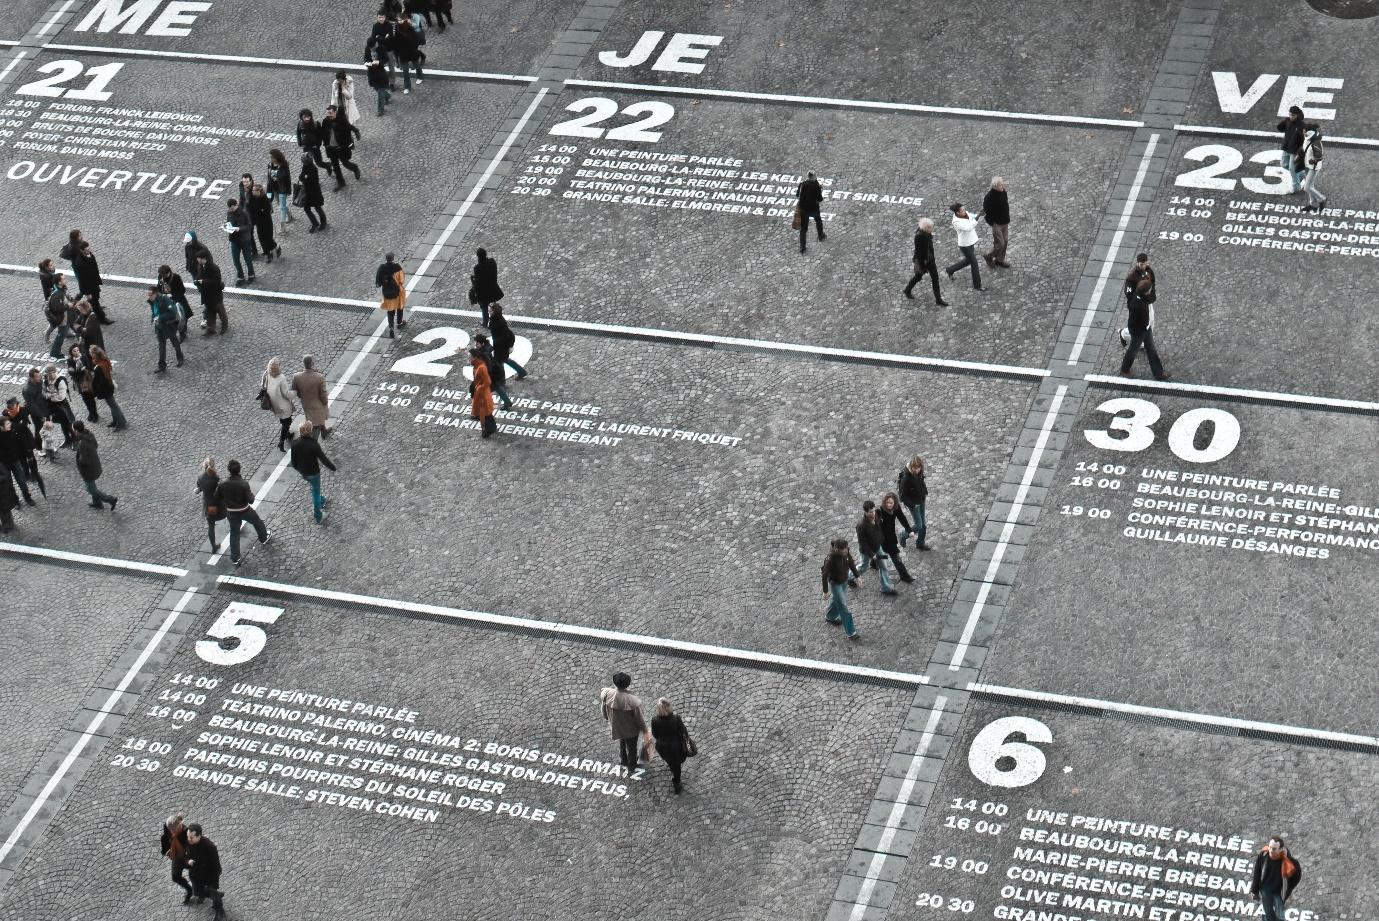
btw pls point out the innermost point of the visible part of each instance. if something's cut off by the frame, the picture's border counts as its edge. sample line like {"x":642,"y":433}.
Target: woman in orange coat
{"x":481,"y":400}
{"x":389,"y":277}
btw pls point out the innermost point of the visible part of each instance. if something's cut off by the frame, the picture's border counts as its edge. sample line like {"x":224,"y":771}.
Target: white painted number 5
{"x":231,"y":625}
{"x":992,"y":748}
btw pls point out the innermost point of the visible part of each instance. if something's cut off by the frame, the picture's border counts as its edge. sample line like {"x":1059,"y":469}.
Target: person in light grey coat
{"x":623,"y":711}
{"x":279,"y":390}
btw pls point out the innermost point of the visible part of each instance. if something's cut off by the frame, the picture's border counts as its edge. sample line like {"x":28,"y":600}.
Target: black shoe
{"x":1164,"y":377}
{"x":924,"y":547}
{"x":112,"y":503}
{"x":978,"y":288}
{"x":401,"y":324}
{"x":179,"y":362}
{"x":676,"y":785}
{"x":252,"y":278}
{"x":311,"y":229}
{"x":339,"y":186}
{"x":278,"y":251}
{"x":910,"y":294}
{"x":852,"y":583}
{"x":907,"y":578}
{"x":30,"y":500}
{"x":890,"y":592}
{"x":803,"y":248}
{"x":1307,"y":208}
{"x":940,"y":303}
{"x":269,"y":257}
{"x":110,"y":425}
{"x":95,"y":505}
{"x":107,"y":322}
{"x":822,"y":236}
{"x":161,"y":369}
{"x":391,"y":334}
{"x":187,"y":899}
{"x":267,"y":536}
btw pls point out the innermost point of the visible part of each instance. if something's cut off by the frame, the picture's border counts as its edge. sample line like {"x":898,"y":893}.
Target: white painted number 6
{"x":992,"y":745}
{"x":231,"y":625}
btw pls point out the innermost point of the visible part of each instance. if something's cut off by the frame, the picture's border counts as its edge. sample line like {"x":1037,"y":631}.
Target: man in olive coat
{"x":624,"y":714}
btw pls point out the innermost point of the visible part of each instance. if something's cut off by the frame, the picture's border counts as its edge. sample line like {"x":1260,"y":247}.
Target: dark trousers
{"x":1143,"y":338}
{"x":894,"y":554}
{"x":179,"y":871}
{"x":1272,"y":903}
{"x":804,"y":225}
{"x":210,"y":310}
{"x":206,"y":889}
{"x":284,"y":433}
{"x":627,"y":752}
{"x":969,"y":258}
{"x":318,"y":219}
{"x":95,"y":298}
{"x":316,"y":154}
{"x":245,"y":249}
{"x":675,"y":771}
{"x":21,"y":478}
{"x":483,"y":315}
{"x":340,"y":156}
{"x":168,"y":332}
{"x":932,"y":271}
{"x":92,"y":415}
{"x":238,"y":518}
{"x":210,"y":530}
{"x":61,"y":413}
{"x":266,"y":241}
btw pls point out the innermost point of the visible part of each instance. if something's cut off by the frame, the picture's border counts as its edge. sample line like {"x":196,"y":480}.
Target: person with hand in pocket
{"x":673,"y":742}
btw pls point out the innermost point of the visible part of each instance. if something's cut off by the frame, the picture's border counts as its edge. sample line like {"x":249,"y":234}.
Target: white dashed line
{"x":55,"y":17}
{"x":12,"y":65}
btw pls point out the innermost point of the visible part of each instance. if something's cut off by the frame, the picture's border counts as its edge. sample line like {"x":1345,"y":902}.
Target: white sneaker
{"x":406,"y":92}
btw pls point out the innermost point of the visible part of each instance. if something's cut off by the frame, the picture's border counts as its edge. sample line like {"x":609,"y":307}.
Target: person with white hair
{"x":996,"y":210}
{"x":925,"y":262}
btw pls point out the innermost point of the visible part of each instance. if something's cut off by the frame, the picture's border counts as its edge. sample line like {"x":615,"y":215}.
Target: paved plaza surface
{"x":1140,"y":644}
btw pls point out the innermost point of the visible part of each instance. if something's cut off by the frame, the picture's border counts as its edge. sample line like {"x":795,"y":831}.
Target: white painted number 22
{"x":1137,"y":432}
{"x":998,"y":762}
{"x":601,"y":108}
{"x":237,"y":622}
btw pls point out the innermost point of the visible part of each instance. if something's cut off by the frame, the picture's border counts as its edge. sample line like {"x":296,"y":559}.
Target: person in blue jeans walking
{"x":839,"y":571}
{"x":307,"y":458}
{"x":236,"y":497}
{"x":1293,"y":130}
{"x":871,"y":545}
{"x":913,"y":492}
{"x":1276,"y":877}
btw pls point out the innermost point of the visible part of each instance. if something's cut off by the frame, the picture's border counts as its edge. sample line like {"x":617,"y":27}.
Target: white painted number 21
{"x":237,"y":622}
{"x":67,"y":71}
{"x":1137,"y":432}
{"x":997,"y":761}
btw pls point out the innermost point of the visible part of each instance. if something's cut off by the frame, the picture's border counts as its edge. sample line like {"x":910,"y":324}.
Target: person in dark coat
{"x":407,"y":50}
{"x":206,"y":485}
{"x":839,"y":571}
{"x":483,"y":284}
{"x":871,"y":541}
{"x":503,"y":340}
{"x":89,"y":327}
{"x":375,"y":67}
{"x":60,"y":312}
{"x":212,"y":287}
{"x":89,"y":280}
{"x":79,"y":373}
{"x":171,"y":284}
{"x":47,"y":277}
{"x":172,"y":844}
{"x":260,"y":208}
{"x":380,"y":43}
{"x":339,"y":146}
{"x":445,"y":12}
{"x":309,"y":197}
{"x":673,"y":742}
{"x":913,"y":491}
{"x":310,"y":136}
{"x":891,"y":514}
{"x":1276,"y":876}
{"x":16,"y":452}
{"x":1293,"y":135}
{"x":203,"y":862}
{"x":996,"y":211}
{"x":34,"y":400}
{"x":236,"y":497}
{"x":240,"y":234}
{"x":8,"y":500}
{"x":191,"y":245}
{"x":811,"y":196}
{"x":925,"y":261}
{"x":280,"y":183}
{"x":1141,"y":331}
{"x":307,"y":457}
{"x":89,"y":466}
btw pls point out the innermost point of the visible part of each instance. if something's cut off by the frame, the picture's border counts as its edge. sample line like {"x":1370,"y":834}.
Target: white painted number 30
{"x":237,"y":622}
{"x":1137,"y":432}
{"x":998,"y":762}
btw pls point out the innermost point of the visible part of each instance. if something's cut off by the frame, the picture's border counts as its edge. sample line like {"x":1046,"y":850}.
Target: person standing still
{"x":260,"y":208}
{"x":89,"y":467}
{"x":810,"y":196}
{"x":279,"y":390}
{"x":207,"y":484}
{"x":913,"y":491}
{"x":1292,"y":128}
{"x":1275,"y":878}
{"x":376,"y":70}
{"x":203,"y":860}
{"x":965,"y":226}
{"x":342,"y":98}
{"x":173,"y":845}
{"x":483,"y":284}
{"x":103,"y":386}
{"x":307,"y":458}
{"x":309,"y":136}
{"x":389,"y":278}
{"x":925,"y":261}
{"x":89,"y":281}
{"x":240,"y":233}
{"x":310,"y":387}
{"x":673,"y":742}
{"x":211,"y":284}
{"x":280,"y":185}
{"x":839,"y":571}
{"x":170,"y":283}
{"x":236,"y":498}
{"x":996,"y":211}
{"x":80,"y":372}
{"x":167,"y":323}
{"x":623,"y":711}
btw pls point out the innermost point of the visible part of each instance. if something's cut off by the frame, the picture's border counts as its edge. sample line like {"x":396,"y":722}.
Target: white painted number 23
{"x":452,"y":342}
{"x":1137,"y":432}
{"x":237,"y":622}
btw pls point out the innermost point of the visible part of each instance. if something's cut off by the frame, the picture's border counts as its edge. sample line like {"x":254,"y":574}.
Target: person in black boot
{"x":174,"y":848}
{"x":203,"y":860}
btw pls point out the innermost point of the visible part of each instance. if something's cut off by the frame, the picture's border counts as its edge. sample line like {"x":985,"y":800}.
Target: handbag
{"x":688,"y":743}
{"x":298,"y":195}
{"x":797,"y":219}
{"x":473,"y":295}
{"x":648,"y":751}
{"x":265,"y":402}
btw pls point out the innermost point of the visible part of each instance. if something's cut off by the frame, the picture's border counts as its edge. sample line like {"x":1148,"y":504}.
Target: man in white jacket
{"x":965,"y":225}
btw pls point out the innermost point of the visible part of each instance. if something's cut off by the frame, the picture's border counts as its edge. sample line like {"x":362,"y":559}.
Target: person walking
{"x":171,"y":284}
{"x":35,"y":401}
{"x":375,"y":67}
{"x":504,"y":341}
{"x":1293,"y":131}
{"x":1276,"y":876}
{"x":497,"y":376}
{"x":47,"y":277}
{"x":8,"y":500}
{"x":16,"y":452}
{"x":965,"y":226}
{"x":89,"y":280}
{"x":310,"y":387}
{"x":89,"y":467}
{"x":342,"y":98}
{"x":211,"y":284}
{"x":444,"y":10}
{"x":61,"y":313}
{"x":280,"y":185}
{"x":912,"y":491}
{"x":309,"y":136}
{"x":809,"y":201}
{"x":673,"y":742}
{"x":79,"y":373}
{"x":103,"y":386}
{"x":236,"y":498}
{"x":1309,"y":160}
{"x":191,"y":247}
{"x":278,"y":389}
{"x":173,"y":845}
{"x":422,"y":9}
{"x":380,"y":41}
{"x":307,"y":458}
{"x":242,"y":192}
{"x":203,"y":862}
{"x":996,"y":210}
{"x":206,"y":485}
{"x":389,"y":278}
{"x":339,"y":146}
{"x":870,"y":540}
{"x":241,"y":236}
{"x":890,"y":514}
{"x":839,"y":571}
{"x":260,"y":208}
{"x":1141,"y":330}
{"x":407,"y":49}
{"x":88,"y":327}
{"x":1141,"y":270}
{"x":481,"y":399}
{"x":623,"y":711}
{"x":308,"y":195}
{"x":57,"y":391}
{"x":167,"y":326}
{"x":483,"y":284}
{"x":925,"y":262}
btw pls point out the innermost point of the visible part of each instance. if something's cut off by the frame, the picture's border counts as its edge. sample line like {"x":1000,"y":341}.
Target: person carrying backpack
{"x":167,"y":325}
{"x":1309,"y":158}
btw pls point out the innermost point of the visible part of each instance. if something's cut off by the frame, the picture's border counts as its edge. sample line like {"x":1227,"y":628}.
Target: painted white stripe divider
{"x":67,"y":556}
{"x":1271,"y":135}
{"x":1202,"y":719}
{"x":1268,"y":396}
{"x":902,"y":800}
{"x":278,"y":62}
{"x":1008,"y":529}
{"x":89,"y":732}
{"x":11,"y":66}
{"x":1113,"y":252}
{"x":67,"y":5}
{"x":857,"y":104}
{"x":745,"y":656}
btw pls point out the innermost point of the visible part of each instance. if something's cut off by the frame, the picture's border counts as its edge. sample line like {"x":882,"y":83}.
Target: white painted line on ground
{"x":55,"y":17}
{"x":278,"y":62}
{"x":907,"y":788}
{"x":89,"y":732}
{"x":67,"y":556}
{"x":745,"y":656}
{"x":858,"y":104}
{"x":1271,"y":135}
{"x":1203,"y":719}
{"x":11,"y":66}
{"x":478,"y":187}
{"x":1114,"y":251}
{"x":1265,"y":396}
{"x":1008,"y":529}
{"x":8,"y":42}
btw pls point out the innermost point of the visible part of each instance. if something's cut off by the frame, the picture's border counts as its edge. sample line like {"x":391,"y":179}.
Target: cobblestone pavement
{"x":1137,"y":648}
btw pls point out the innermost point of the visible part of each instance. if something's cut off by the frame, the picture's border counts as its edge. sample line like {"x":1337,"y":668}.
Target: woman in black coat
{"x":280,"y":182}
{"x":483,"y":284}
{"x":206,"y":485}
{"x":673,"y":742}
{"x":308,"y":196}
{"x":261,"y":216}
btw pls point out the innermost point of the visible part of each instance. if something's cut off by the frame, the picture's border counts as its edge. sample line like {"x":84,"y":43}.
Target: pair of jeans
{"x":1273,"y":906}
{"x":98,"y":498}
{"x":168,"y":332}
{"x":236,"y":519}
{"x":838,"y":612}
{"x":61,"y":413}
{"x":283,"y":199}
{"x":502,"y":391}
{"x":521,"y":371}
{"x":244,"y":248}
{"x":384,"y":97}
{"x":21,"y":477}
{"x":56,"y":350}
{"x":1143,"y":338}
{"x":92,"y":411}
{"x":1315,"y":198}
{"x":932,"y":271}
{"x":179,"y":871}
{"x":117,"y":418}
{"x":880,"y":558}
{"x":918,"y":527}
{"x":210,"y":530}
{"x":407,"y":73}
{"x":318,"y":501}
{"x":1286,"y":161}
{"x":804,"y":226}
{"x":969,"y":258}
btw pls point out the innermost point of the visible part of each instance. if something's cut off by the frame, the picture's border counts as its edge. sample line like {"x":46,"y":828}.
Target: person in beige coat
{"x":310,"y":387}
{"x":275,"y":385}
{"x":623,"y":711}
